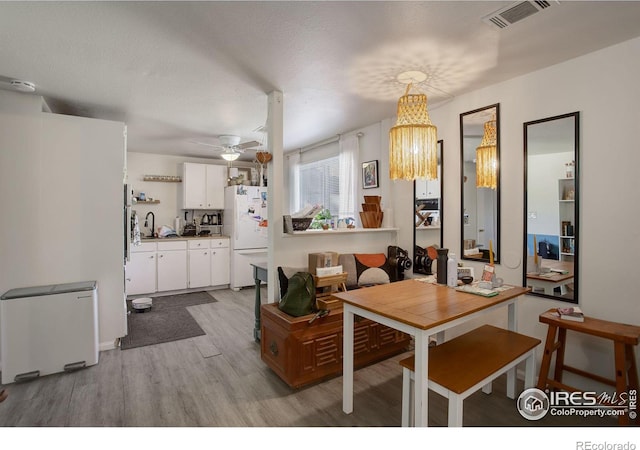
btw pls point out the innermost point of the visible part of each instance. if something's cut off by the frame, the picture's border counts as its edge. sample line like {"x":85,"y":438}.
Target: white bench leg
{"x":511,"y":383}
{"x":530,"y":370}
{"x":487,"y":388}
{"x":455,"y":410}
{"x":406,"y":396}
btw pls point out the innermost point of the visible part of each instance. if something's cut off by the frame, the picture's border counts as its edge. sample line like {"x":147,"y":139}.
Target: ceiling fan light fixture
{"x":230,"y":156}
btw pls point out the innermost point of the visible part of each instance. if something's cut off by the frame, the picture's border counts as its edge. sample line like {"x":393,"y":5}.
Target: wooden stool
{"x":461,"y":366}
{"x":624,"y":337}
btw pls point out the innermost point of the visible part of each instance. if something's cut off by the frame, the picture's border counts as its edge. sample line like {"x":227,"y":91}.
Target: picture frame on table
{"x":370,"y":174}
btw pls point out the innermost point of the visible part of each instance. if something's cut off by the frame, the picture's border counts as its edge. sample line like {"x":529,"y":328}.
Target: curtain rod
{"x":330,"y":140}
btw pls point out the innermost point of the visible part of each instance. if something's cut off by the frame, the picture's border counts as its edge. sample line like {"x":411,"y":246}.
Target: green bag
{"x":300,"y":298}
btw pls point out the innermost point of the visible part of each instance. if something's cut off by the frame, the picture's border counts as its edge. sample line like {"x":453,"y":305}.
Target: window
{"x":325,"y":175}
{"x":320,"y":184}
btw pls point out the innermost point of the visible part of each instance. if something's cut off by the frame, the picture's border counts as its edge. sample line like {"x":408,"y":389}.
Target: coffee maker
{"x":211,"y":223}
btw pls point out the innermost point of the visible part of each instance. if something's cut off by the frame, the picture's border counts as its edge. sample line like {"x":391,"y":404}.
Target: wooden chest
{"x":302,"y":353}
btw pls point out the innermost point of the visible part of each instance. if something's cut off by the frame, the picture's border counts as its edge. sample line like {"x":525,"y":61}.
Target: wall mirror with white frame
{"x":427,"y":231}
{"x":551,"y":194}
{"x":480,"y":178}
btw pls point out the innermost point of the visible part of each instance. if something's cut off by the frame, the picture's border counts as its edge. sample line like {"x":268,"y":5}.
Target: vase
{"x":441,"y":267}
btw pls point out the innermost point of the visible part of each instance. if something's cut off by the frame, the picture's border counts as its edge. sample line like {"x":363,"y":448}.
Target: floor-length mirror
{"x":480,"y":177}
{"x":427,"y":231}
{"x":551,"y":194}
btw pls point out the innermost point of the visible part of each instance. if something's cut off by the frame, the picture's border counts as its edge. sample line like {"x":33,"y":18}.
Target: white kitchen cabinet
{"x":141,"y":270}
{"x":216,"y":182}
{"x":199,"y":263}
{"x":219,"y":262}
{"x":203,"y":186}
{"x":172,"y":265}
{"x":428,"y":188}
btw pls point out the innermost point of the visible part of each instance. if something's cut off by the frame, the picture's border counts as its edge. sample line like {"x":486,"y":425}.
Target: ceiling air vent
{"x":513,"y":13}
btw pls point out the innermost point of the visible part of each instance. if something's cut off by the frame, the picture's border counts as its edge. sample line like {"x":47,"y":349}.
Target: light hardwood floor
{"x":219,"y":380}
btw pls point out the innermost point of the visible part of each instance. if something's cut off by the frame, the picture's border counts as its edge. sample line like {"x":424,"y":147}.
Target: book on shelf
{"x":573,"y":313}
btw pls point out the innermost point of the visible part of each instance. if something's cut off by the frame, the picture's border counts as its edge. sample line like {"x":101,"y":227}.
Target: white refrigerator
{"x":245,"y":222}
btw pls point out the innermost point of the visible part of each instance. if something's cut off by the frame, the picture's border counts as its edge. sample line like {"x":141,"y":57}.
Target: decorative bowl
{"x":467,"y":279}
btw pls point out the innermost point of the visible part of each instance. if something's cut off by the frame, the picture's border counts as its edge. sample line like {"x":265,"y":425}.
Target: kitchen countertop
{"x":184,"y":238}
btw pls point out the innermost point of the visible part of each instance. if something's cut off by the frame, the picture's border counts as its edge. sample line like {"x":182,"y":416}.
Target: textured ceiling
{"x":175,"y":72}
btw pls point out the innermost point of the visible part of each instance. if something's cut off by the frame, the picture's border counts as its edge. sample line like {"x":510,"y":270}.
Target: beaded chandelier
{"x":413,"y":140}
{"x":486,"y":157}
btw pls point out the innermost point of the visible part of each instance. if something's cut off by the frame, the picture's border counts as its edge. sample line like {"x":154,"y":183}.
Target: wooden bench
{"x":624,"y":338}
{"x":461,"y":366}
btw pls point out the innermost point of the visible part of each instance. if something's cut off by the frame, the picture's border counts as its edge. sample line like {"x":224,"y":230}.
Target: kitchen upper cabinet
{"x":172,"y":265}
{"x":219,"y":262}
{"x":203,"y":186}
{"x":428,"y":188}
{"x":141,"y":270}
{"x":216,"y":182}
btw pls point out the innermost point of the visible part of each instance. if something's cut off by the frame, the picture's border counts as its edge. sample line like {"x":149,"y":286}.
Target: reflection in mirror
{"x":427,"y":232}
{"x":551,"y":206}
{"x":480,"y":175}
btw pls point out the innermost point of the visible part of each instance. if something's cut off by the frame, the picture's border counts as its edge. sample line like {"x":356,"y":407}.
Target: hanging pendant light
{"x":486,"y":157}
{"x":413,"y":140}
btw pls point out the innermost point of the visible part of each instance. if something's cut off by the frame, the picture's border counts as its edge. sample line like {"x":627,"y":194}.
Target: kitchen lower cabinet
{"x":177,"y":264}
{"x":219,"y":262}
{"x":172,"y":265}
{"x":199,"y":268}
{"x":141,"y":270}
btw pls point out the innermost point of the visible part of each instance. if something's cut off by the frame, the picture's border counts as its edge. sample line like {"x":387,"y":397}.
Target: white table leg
{"x":548,"y":290}
{"x":406,"y":396}
{"x":455,"y":410}
{"x":421,"y":381}
{"x":347,"y":360}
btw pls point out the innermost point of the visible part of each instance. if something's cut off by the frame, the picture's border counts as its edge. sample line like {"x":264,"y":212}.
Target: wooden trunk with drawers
{"x":301,"y":353}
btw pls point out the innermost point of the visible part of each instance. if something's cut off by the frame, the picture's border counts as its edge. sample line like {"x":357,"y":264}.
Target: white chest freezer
{"x":48,"y":329}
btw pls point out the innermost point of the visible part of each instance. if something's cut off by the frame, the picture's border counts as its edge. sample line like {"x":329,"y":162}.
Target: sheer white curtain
{"x":293,"y":163}
{"x":349,"y":149}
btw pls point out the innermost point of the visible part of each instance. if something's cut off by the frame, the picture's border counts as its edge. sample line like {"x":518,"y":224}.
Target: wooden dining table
{"x":559,"y":274}
{"x":421,"y":309}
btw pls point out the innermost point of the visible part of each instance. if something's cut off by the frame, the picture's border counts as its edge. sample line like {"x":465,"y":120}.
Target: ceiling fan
{"x":230,"y":146}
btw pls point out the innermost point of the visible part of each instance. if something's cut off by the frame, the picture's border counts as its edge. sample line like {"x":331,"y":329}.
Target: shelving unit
{"x":148,"y":202}
{"x":566,"y":206}
{"x":163,"y":178}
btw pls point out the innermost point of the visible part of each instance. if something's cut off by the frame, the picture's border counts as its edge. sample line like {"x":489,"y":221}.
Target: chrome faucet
{"x":153,"y":223}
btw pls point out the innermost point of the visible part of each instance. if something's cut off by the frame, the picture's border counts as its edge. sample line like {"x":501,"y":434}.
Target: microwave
{"x":429,"y":204}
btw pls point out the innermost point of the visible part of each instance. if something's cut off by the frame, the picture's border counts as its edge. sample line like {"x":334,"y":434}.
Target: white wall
{"x":603,"y":87}
{"x":141,"y":164}
{"x":542,"y":192}
{"x":20,"y":102}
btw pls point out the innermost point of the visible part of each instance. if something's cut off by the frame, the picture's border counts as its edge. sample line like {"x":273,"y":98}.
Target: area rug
{"x":168,"y":320}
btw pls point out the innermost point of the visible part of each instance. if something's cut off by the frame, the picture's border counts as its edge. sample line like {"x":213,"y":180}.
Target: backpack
{"x":300,"y":298}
